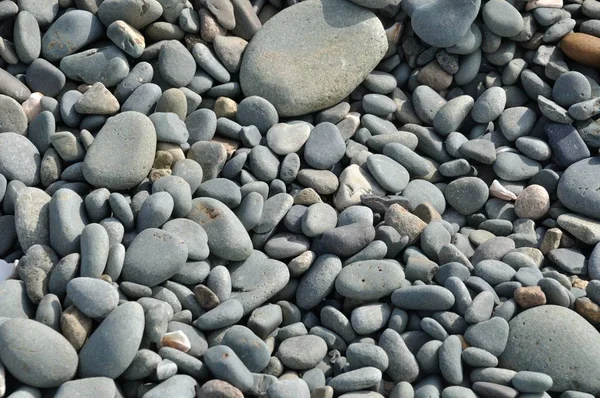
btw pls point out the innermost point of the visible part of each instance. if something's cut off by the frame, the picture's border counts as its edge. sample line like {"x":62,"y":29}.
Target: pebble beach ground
{"x":299,"y":199}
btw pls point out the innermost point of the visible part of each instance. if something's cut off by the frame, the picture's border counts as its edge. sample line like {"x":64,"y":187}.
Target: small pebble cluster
{"x":299,"y":199}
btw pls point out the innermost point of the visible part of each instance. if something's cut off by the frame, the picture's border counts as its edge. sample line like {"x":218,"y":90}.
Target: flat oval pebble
{"x":36,"y":354}
{"x":122,"y":153}
{"x":70,"y":33}
{"x":369,"y":280}
{"x":19,"y":159}
{"x":167,"y":252}
{"x":300,"y":89}
{"x":302,"y":352}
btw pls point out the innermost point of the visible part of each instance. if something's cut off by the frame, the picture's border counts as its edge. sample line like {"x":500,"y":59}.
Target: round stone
{"x":444,"y":23}
{"x":70,"y":33}
{"x":302,"y":352}
{"x":257,"y":111}
{"x":533,"y":202}
{"x":502,"y":18}
{"x":175,"y":64}
{"x":577,"y":187}
{"x":19,"y":159}
{"x":122,"y":152}
{"x":467,"y":194}
{"x":390,"y":175}
{"x":571,"y":88}
{"x":94,"y":297}
{"x":289,"y":61}
{"x":572,"y":363}
{"x":153,"y":257}
{"x":369,"y":280}
{"x":12,"y":118}
{"x":324,"y":147}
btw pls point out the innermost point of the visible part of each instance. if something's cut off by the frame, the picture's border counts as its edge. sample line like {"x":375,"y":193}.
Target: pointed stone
{"x":97,"y":100}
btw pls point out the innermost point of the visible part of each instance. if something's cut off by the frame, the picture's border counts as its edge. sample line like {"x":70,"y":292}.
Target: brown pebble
{"x":209,"y":27}
{"x":225,"y":107}
{"x":582,"y":48}
{"x":230,"y":145}
{"x":206,"y":297}
{"x":434,"y":76}
{"x":174,"y":149}
{"x":533,"y":202}
{"x":163,"y":160}
{"x":157,"y":174}
{"x":75,"y":326}
{"x":551,"y":240}
{"x":219,"y":389}
{"x":588,"y":309}
{"x":530,"y":296}
{"x":427,"y":213}
{"x":404,"y":222}
{"x":307,"y":197}
{"x":322,"y":392}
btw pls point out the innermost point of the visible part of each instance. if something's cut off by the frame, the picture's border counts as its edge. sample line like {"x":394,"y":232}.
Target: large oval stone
{"x":32,"y":220}
{"x":311,"y":55}
{"x":19,"y":159}
{"x":558,"y":342}
{"x":153,"y":257}
{"x":113,"y":345}
{"x":579,"y":187}
{"x":122,"y":153}
{"x":36,"y":354}
{"x":227,"y":237}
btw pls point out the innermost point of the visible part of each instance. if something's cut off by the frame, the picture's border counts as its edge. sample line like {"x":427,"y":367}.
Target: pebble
{"x":93,"y":297}
{"x":300,"y":89}
{"x":467,"y":194}
{"x":302,"y":352}
{"x":369,"y":280}
{"x":462,"y":14}
{"x":70,"y":33}
{"x":574,"y":187}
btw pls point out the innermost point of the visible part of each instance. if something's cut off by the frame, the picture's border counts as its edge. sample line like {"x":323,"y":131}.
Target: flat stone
{"x":70,"y":33}
{"x":302,"y":352}
{"x":36,"y":354}
{"x":19,"y":159}
{"x":32,"y":219}
{"x":13,"y":118}
{"x":94,"y":297}
{"x":577,"y":187}
{"x":300,"y":90}
{"x":103,"y":386}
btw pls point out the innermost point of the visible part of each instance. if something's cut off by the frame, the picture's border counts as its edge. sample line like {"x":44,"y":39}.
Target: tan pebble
{"x":174,"y":149}
{"x":579,"y":283}
{"x":427,"y":213}
{"x":307,"y":197}
{"x":497,"y":190}
{"x":551,"y":240}
{"x":106,"y":278}
{"x":157,"y":174}
{"x":225,"y":107}
{"x":322,"y":392}
{"x":163,"y":160}
{"x":406,"y":223}
{"x":434,"y":76}
{"x":32,"y":106}
{"x":230,"y":145}
{"x":75,"y":326}
{"x":289,"y":375}
{"x":530,"y":296}
{"x":582,"y":48}
{"x":219,"y":389}
{"x":533,"y":4}
{"x":588,"y":309}
{"x":82,"y":88}
{"x":533,"y":202}
{"x":206,"y":297}
{"x":463,"y":342}
{"x":176,"y":339}
{"x":393,"y":33}
{"x":209,"y":27}
{"x":300,"y":264}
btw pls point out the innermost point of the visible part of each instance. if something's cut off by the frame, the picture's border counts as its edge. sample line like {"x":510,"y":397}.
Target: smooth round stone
{"x":221,"y":189}
{"x":427,"y":103}
{"x":216,"y":388}
{"x":19,"y":158}
{"x":251,"y":350}
{"x":70,"y":33}
{"x":112,"y":347}
{"x":532,"y":382}
{"x":127,"y":38}
{"x":107,"y":65}
{"x":324,"y":147}
{"x":13,"y":87}
{"x":370,"y":318}
{"x":45,"y":78}
{"x":533,"y":202}
{"x":155,"y":211}
{"x":169,"y":128}
{"x":227,"y":237}
{"x":502,"y":18}
{"x":122,"y":152}
{"x":512,"y":166}
{"x":534,"y":148}
{"x":103,"y":386}
{"x":467,"y":194}
{"x":229,"y":50}
{"x":403,"y":364}
{"x":190,"y":171}
{"x":257,"y":111}
{"x":183,"y":386}
{"x":192,"y":234}
{"x":490,"y":104}
{"x":225,"y":314}
{"x":577,"y":187}
{"x":16,"y":304}
{"x":356,"y":379}
{"x":284,"y":388}
{"x":224,"y":364}
{"x":283,"y":138}
{"x":36,"y":354}
{"x":27,"y":37}
{"x":312,"y":80}
{"x":302,"y":352}
{"x":451,"y":116}
{"x":425,"y":297}
{"x":390,"y":175}
{"x":318,"y":282}
{"x":137,"y":14}
{"x":571,"y":88}
{"x":175,"y":64}
{"x":444,"y":23}
{"x":95,"y":298}
{"x":516,"y":122}
{"x":490,"y":335}
{"x":369,"y":280}
{"x":201,"y":125}
{"x":154,"y":256}
{"x":360,"y":355}
{"x":421,"y":191}
{"x":318,"y":219}
{"x":378,"y":104}
{"x":570,"y":362}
